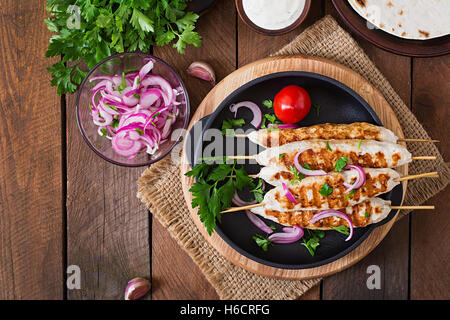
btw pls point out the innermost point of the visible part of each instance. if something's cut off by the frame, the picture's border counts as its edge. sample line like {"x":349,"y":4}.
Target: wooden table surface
{"x":61,"y":205}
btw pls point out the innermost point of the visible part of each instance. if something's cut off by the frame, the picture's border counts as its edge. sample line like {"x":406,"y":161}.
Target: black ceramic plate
{"x":338,"y":104}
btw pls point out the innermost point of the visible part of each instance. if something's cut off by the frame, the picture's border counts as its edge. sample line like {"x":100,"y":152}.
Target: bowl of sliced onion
{"x":132,"y":109}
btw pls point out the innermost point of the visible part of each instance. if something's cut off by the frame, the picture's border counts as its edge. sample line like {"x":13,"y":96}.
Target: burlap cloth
{"x":160,"y":187}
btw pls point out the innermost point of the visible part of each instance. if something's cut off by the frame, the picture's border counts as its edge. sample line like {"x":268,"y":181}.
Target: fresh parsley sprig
{"x":109,"y":27}
{"x":214,"y":189}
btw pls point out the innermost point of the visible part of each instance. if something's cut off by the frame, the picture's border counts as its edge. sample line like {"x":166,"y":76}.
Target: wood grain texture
{"x":107,"y":226}
{"x":280,"y":64}
{"x":30,"y":160}
{"x":392,"y":255}
{"x":184,"y":280}
{"x":430,"y":236}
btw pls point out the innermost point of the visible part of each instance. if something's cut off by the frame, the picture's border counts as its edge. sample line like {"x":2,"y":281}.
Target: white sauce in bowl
{"x":273,"y":14}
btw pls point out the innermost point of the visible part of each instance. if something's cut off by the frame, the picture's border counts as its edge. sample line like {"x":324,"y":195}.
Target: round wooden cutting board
{"x":293,"y":63}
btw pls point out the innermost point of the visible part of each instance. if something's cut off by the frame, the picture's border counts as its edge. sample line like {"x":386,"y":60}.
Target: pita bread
{"x":409,"y":19}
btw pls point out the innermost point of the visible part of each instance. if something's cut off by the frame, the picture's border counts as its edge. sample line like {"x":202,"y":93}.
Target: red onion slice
{"x":257,"y":114}
{"x":258,"y":222}
{"x":288,"y":193}
{"x":360,"y":180}
{"x":290,"y":236}
{"x":305,"y":171}
{"x":333,"y":213}
{"x":239,"y":202}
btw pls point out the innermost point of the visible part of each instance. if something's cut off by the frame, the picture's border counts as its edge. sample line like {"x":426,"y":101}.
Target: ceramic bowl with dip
{"x":273,"y":17}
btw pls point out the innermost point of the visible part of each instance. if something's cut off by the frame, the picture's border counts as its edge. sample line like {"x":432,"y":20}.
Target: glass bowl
{"x":115,"y":65}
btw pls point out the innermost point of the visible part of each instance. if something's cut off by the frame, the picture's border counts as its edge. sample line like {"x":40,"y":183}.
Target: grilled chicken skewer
{"x":326,"y":131}
{"x":276,"y":176}
{"x":362,"y":214}
{"x":323,"y":154}
{"x":328,"y":192}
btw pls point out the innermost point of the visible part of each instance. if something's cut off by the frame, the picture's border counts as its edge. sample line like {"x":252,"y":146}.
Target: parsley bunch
{"x":214,"y":189}
{"x":91,"y":30}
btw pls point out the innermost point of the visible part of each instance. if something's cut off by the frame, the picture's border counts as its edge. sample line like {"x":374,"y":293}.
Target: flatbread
{"x":409,"y":19}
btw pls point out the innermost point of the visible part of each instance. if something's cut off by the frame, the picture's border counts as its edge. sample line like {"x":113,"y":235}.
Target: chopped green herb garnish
{"x":340,"y":164}
{"x":258,"y":192}
{"x":140,"y":131}
{"x":268,"y":103}
{"x":307,"y":166}
{"x":262,"y":242}
{"x":227,"y":126}
{"x":326,"y":190}
{"x":272,"y":120}
{"x":104,"y":132}
{"x":328,"y":147}
{"x":272,"y":227}
{"x":317,"y":107}
{"x":367,"y":214}
{"x":349,"y":194}
{"x":281,"y":155}
{"x":136,"y":96}
{"x":297,"y":174}
{"x":312,"y":240}
{"x":123,"y":84}
{"x":115,"y":122}
{"x":112,"y":107}
{"x":130,"y":70}
{"x":359,"y":144}
{"x":342,"y":229}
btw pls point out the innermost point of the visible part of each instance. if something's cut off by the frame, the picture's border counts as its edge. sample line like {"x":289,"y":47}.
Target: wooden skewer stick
{"x":254,"y":157}
{"x":433,"y":174}
{"x":234,"y":209}
{"x":412,"y":207}
{"x":241,"y":135}
{"x":417,"y":140}
{"x":424,"y":158}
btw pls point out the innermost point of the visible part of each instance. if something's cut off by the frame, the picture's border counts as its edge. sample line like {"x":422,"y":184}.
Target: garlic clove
{"x":137,"y":288}
{"x":202,"y":70}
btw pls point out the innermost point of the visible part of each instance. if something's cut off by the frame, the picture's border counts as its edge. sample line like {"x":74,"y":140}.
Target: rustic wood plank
{"x":31,"y":264}
{"x":392,"y":255}
{"x":107,"y":226}
{"x":430,"y":253}
{"x":184,"y":280}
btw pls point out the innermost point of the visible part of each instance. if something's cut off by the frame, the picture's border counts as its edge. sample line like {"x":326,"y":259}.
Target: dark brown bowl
{"x":247,"y":21}
{"x":407,"y":47}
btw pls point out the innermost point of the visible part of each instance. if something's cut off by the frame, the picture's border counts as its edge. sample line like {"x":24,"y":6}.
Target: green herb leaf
{"x":326,"y":190}
{"x":268,"y":103}
{"x":123,"y":84}
{"x":262,"y":242}
{"x":258,"y":192}
{"x":349,"y":194}
{"x":140,"y":131}
{"x":342,"y":229}
{"x":110,"y":27}
{"x":281,"y":155}
{"x":367,"y":214}
{"x":328,"y":147}
{"x":359,"y":144}
{"x":229,"y":124}
{"x":297,"y":174}
{"x":317,"y":107}
{"x":340,"y":164}
{"x":104,"y":132}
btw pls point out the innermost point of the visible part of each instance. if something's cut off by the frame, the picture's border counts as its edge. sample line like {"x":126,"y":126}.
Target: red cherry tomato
{"x":292,"y":104}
